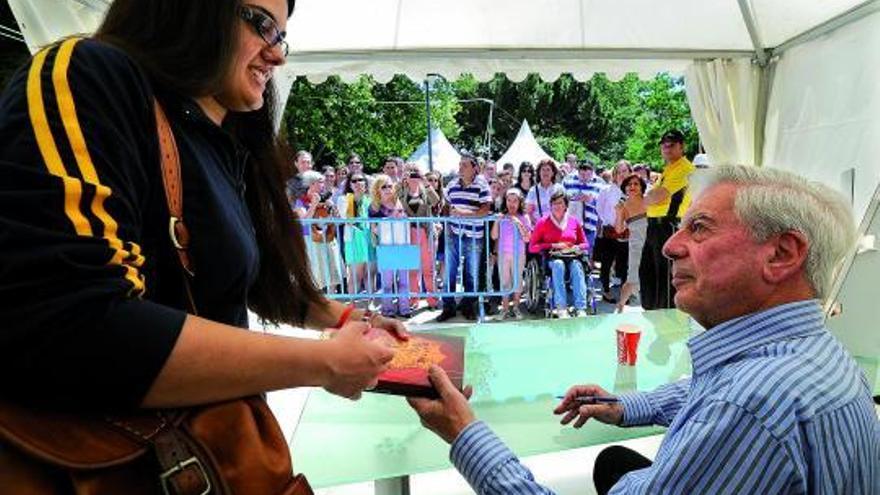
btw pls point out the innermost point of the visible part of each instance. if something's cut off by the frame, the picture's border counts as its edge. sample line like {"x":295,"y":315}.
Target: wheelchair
{"x":538,"y":287}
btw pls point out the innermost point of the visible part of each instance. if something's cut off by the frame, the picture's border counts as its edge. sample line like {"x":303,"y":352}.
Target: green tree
{"x":333,"y":119}
{"x":664,"y":106}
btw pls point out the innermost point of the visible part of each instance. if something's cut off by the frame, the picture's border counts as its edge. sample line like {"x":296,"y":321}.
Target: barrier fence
{"x":401,"y":258}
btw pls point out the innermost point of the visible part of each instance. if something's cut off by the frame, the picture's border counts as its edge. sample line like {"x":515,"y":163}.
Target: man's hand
{"x":354,"y":362}
{"x":448,"y":415}
{"x":611,"y":414}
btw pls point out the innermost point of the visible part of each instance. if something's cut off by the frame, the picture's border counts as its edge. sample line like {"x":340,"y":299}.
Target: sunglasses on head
{"x":265,"y":26}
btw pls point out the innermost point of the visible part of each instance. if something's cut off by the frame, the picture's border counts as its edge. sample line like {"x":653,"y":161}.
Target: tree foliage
{"x":333,"y":119}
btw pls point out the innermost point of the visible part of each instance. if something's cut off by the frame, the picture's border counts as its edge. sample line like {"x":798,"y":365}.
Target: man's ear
{"x":788,"y":256}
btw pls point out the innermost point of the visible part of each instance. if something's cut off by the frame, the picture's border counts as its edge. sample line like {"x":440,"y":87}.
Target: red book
{"x":408,"y":374}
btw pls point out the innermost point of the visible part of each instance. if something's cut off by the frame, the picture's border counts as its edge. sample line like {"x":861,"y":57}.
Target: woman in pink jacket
{"x":561,"y":236}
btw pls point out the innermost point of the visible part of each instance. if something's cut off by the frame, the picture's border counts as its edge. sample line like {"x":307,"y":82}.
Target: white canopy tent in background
{"x":524,"y":148}
{"x":444,"y":156}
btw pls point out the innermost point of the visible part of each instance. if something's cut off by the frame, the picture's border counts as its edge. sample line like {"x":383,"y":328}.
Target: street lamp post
{"x":428,"y":112}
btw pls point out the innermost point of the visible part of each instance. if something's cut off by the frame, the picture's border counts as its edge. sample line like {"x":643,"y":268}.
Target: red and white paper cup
{"x":628,"y":343}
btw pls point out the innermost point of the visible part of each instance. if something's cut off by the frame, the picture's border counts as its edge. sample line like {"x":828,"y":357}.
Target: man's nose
{"x":674,"y":247}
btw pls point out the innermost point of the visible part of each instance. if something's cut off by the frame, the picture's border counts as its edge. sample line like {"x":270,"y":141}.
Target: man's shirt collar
{"x":731,"y":338}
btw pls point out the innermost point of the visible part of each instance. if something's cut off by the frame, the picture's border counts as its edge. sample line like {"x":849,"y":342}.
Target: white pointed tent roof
{"x":445,"y":157}
{"x":524,"y":148}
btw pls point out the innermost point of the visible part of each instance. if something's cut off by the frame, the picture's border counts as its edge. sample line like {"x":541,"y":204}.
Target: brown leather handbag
{"x":233,"y":447}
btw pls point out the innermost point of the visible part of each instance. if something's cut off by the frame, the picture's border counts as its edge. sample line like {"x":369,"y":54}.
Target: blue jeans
{"x":578,"y":283}
{"x":389,"y":277}
{"x":460,"y":246}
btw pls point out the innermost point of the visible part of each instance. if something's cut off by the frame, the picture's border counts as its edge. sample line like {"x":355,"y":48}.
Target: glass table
{"x":516,"y":370}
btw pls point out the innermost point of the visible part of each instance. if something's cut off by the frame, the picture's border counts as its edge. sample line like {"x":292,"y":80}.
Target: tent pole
{"x":749,"y":20}
{"x":428,"y":113}
{"x":491,"y":129}
{"x":765,"y":85}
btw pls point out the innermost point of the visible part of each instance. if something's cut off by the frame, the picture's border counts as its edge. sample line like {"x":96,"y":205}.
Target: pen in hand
{"x":593,"y":399}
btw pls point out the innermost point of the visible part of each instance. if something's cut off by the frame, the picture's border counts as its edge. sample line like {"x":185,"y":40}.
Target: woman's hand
{"x":611,"y":414}
{"x":354,"y":361}
{"x":395,"y":327}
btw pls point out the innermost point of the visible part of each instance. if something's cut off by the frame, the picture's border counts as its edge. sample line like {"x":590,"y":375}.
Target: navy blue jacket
{"x":91,"y":295}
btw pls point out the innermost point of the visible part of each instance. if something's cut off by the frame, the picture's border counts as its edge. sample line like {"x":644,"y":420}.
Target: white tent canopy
{"x":524,"y":148}
{"x":444,"y":156}
{"x":419,"y":37}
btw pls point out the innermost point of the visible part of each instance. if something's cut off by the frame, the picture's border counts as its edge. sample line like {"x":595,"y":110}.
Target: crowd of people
{"x":573,"y":215}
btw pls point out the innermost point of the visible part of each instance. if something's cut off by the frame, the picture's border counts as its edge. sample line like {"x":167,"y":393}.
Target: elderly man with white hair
{"x":775,"y":404}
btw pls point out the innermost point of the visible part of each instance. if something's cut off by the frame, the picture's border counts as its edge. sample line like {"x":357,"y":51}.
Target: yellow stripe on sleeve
{"x":46,"y":144}
{"x":67,"y":109}
{"x":72,"y":186}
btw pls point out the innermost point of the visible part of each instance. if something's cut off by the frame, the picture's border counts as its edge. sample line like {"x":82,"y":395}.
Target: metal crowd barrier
{"x":347,"y":254}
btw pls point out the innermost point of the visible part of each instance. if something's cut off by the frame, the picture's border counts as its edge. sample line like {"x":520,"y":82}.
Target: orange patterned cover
{"x":408,"y":374}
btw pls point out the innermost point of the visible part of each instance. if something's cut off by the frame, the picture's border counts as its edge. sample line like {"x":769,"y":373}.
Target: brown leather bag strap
{"x":171,"y":179}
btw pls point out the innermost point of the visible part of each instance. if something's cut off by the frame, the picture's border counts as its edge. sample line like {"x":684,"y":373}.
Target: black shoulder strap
{"x":674,"y":204}
{"x":538,"y":195}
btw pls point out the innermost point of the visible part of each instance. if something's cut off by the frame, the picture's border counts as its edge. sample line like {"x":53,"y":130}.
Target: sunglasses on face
{"x":265,"y":26}
{"x":387,"y":186}
{"x":358,"y":181}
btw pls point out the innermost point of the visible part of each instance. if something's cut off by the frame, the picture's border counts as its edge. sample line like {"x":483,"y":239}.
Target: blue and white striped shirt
{"x":775,"y":405}
{"x":469,"y":198}
{"x":585,"y":211}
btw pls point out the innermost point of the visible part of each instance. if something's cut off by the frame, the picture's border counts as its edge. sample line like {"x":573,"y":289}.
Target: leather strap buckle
{"x":165,"y":477}
{"x":172,"y":232}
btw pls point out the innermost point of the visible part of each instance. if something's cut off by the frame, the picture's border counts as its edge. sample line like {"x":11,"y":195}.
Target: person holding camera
{"x":418,"y":202}
{"x":321,"y":244}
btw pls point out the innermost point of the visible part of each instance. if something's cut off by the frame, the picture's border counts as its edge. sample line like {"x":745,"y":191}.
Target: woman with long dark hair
{"x":95,"y":307}
{"x":525,"y":179}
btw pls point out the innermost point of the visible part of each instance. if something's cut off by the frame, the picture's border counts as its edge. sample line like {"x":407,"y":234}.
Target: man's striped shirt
{"x":775,"y":405}
{"x":585,"y":211}
{"x":469,"y":198}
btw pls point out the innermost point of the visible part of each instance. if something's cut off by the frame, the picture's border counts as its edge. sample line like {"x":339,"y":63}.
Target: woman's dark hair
{"x":631,"y":178}
{"x":559,"y":195}
{"x":519,"y":195}
{"x":525,"y":166}
{"x":188,"y":47}
{"x":546,"y":163}
{"x":349,"y":190}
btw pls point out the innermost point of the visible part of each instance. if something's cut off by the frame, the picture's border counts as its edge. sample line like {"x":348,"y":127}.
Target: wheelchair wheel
{"x":534,"y":286}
